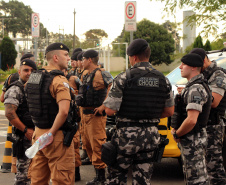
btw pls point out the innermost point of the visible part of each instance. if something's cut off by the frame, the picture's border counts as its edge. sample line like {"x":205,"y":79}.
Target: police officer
{"x":190,"y":128}
{"x":90,"y":98}
{"x":74,"y":83}
{"x":73,"y":70}
{"x":216,"y":77}
{"x":48,"y":98}
{"x":16,"y":111}
{"x":15,"y":76}
{"x":140,"y":97}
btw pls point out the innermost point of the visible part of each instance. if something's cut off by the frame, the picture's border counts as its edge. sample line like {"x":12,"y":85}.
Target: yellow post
{"x":7,"y":158}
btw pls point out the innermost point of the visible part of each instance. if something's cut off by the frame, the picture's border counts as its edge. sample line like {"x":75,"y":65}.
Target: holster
{"x":108,"y":153}
{"x":69,"y":130}
{"x":159,"y":151}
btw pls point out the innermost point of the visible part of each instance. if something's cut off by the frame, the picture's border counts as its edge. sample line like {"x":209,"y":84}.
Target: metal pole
{"x":2,"y":27}
{"x":131,"y":36}
{"x":36,"y":48}
{"x":74,"y":31}
{"x":109,"y":59}
{"x":126,"y":56}
{"x":104,"y":59}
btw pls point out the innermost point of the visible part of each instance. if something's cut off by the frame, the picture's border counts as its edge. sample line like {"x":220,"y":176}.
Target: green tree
{"x":8,"y":53}
{"x":198,"y":42}
{"x":17,"y":17}
{"x":160,"y":41}
{"x":207,"y":46}
{"x":173,"y":29}
{"x":93,"y":38}
{"x":208,"y":12}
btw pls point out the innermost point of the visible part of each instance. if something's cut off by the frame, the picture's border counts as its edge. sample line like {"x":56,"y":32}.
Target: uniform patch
{"x":66,"y":85}
{"x":148,"y":82}
{"x":197,"y":99}
{"x":35,"y":78}
{"x":219,"y":80}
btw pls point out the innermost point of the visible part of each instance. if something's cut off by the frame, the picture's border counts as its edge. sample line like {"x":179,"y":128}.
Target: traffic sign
{"x":130,"y":16}
{"x":35,"y":24}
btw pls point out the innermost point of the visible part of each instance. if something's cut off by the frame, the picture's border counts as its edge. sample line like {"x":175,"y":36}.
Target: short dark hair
{"x":145,"y":54}
{"x":95,"y":60}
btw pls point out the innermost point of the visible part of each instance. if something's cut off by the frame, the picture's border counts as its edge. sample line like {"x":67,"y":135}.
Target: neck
{"x":193,"y":75}
{"x":53,"y":65}
{"x":92,"y":68}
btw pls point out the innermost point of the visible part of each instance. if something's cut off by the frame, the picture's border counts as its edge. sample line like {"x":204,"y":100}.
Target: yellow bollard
{"x":7,"y":158}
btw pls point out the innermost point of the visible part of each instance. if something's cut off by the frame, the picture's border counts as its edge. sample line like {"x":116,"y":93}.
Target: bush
{"x":8,"y":53}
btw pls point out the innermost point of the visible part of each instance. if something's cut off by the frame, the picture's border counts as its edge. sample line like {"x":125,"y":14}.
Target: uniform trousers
{"x":95,"y":136}
{"x":135,"y":147}
{"x":56,"y":161}
{"x":214,"y":159}
{"x":22,"y":165}
{"x":76,"y":140}
{"x":193,"y":148}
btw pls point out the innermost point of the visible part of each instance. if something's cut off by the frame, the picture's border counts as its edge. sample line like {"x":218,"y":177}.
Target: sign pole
{"x":131,"y":36}
{"x":36,"y":48}
{"x":35,"y":31}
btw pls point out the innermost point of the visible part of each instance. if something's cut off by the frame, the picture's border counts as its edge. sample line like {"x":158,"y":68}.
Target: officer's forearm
{"x":10,"y":113}
{"x":189,"y":123}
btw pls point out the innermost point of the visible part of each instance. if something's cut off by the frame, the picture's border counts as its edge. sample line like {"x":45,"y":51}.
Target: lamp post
{"x":74,"y":31}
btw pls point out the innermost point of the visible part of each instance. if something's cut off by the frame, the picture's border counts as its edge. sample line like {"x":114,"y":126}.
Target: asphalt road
{"x":168,"y":172}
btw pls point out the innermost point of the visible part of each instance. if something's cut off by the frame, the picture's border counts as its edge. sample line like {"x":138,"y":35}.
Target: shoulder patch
{"x":107,"y":77}
{"x":66,"y":85}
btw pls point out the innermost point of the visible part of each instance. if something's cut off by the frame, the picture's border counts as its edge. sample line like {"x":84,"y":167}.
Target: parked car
{"x":171,"y":150}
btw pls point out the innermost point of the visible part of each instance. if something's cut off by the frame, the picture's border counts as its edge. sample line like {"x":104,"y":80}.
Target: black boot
{"x":77,"y":174}
{"x":86,"y":161}
{"x":99,"y":179}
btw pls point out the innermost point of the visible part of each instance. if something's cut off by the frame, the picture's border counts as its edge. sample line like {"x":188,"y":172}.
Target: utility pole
{"x":74,"y":31}
{"x":61,"y":39}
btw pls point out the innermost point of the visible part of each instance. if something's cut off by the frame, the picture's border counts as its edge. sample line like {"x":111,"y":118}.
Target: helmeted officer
{"x":91,"y":96}
{"x":16,"y":110}
{"x":139,"y":97}
{"x":190,"y":119}
{"x":216,"y":77}
{"x":49,"y":98}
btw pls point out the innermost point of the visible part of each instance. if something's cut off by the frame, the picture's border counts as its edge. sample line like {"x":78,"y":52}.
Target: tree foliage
{"x":198,"y":42}
{"x":8,"y":53}
{"x":208,"y":12}
{"x":173,"y":30}
{"x":93,"y":38}
{"x":207,"y":46}
{"x":160,"y":41}
{"x":17,"y":17}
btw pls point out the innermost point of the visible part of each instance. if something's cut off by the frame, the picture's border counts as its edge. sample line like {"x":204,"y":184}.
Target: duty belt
{"x":127,"y":124}
{"x":91,"y":111}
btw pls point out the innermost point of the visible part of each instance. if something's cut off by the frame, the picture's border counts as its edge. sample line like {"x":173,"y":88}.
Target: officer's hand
{"x":172,"y":132}
{"x":179,"y":89}
{"x":99,"y":109}
{"x":29,"y":133}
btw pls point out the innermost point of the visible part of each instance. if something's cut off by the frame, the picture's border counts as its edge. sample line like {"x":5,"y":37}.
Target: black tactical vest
{"x":42,"y":106}
{"x":90,"y":96}
{"x":22,"y":110}
{"x":144,"y":94}
{"x":220,"y":109}
{"x":204,"y":115}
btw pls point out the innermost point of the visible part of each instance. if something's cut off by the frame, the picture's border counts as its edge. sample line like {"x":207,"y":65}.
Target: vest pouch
{"x":33,"y":93}
{"x":176,"y":118}
{"x":108,"y":153}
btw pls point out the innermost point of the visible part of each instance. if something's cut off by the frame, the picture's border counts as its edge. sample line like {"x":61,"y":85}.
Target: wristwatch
{"x":25,"y":130}
{"x":175,"y":135}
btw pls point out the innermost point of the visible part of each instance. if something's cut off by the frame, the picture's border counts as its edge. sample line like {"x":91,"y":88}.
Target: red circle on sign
{"x":35,"y":15}
{"x":133,"y":8}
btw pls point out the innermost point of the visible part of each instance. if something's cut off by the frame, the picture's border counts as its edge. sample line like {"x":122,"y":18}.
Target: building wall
{"x":189,"y":31}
